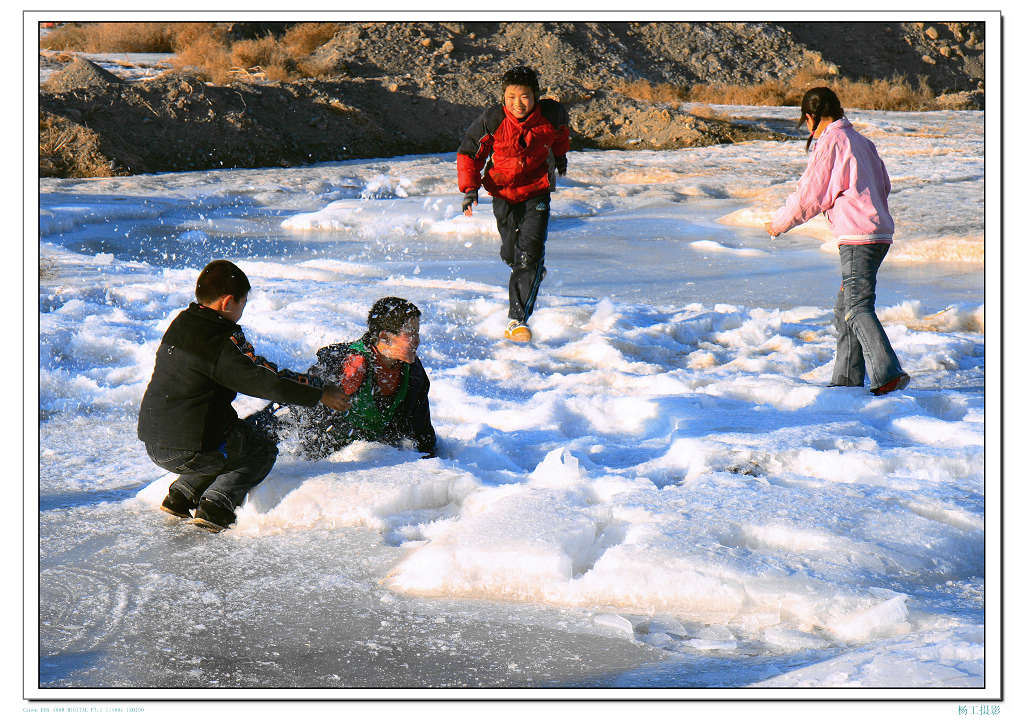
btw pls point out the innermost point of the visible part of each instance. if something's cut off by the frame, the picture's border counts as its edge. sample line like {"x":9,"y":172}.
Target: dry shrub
{"x":896,"y":93}
{"x":204,"y":48}
{"x":186,"y":34}
{"x":265,"y":53}
{"x":69,"y":150}
{"x":304,"y":38}
{"x":770,"y":93}
{"x":314,"y":67}
{"x":71,"y":36}
{"x":643,"y":90}
{"x":111,"y":38}
{"x":206,"y":55}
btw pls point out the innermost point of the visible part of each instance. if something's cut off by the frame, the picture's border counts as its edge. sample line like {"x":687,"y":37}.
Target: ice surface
{"x":660,"y":480}
{"x":128,"y":66}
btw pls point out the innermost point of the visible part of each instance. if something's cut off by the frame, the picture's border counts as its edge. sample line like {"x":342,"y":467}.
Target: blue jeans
{"x":224,"y":475}
{"x":861,"y":341}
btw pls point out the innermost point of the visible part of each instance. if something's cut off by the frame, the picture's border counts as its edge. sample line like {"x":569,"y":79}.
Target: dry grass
{"x":207,"y":55}
{"x":896,"y":93}
{"x":112,"y":38}
{"x":205,"y":48}
{"x":186,"y":34}
{"x":267,"y":54}
{"x":304,"y":38}
{"x":643,"y":90}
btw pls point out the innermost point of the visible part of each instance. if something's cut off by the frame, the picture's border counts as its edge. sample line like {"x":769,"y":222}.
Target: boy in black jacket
{"x":186,"y":419}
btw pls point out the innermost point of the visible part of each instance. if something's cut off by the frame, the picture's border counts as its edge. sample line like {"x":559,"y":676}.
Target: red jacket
{"x":522,"y":152}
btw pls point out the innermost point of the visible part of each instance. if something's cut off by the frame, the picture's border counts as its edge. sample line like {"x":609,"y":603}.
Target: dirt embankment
{"x":402,"y":88}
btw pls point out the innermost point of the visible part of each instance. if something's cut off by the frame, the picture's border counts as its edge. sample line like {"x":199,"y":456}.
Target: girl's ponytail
{"x":819,"y":103}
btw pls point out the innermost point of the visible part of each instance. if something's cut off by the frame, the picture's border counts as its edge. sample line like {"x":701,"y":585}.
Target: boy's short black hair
{"x":389,"y":314}
{"x":521,"y":75}
{"x":220,"y":278}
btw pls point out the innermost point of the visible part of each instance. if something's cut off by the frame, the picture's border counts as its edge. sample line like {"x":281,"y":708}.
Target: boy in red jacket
{"x":518,"y":145}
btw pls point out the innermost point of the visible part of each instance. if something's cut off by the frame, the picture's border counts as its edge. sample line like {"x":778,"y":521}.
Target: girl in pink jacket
{"x":846,"y":180}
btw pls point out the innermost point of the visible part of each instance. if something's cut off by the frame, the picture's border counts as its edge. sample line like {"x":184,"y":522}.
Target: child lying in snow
{"x":384,"y":381}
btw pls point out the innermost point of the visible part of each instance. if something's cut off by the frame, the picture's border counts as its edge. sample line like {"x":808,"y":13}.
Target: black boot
{"x":213,"y":516}
{"x":177,"y":504}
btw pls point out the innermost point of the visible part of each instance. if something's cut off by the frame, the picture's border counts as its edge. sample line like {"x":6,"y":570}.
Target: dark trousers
{"x":861,"y":342}
{"x":224,"y":475}
{"x":524,"y":230}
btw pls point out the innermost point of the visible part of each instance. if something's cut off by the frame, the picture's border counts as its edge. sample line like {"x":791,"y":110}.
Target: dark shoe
{"x":213,"y":517}
{"x":896,"y":384}
{"x":177,"y":505}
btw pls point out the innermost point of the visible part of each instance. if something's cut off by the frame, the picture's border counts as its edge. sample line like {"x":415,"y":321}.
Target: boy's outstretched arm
{"x":336,"y":399}
{"x":240,"y":369}
{"x":475,"y":148}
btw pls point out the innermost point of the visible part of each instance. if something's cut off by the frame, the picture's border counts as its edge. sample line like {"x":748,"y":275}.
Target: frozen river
{"x":659,"y":492}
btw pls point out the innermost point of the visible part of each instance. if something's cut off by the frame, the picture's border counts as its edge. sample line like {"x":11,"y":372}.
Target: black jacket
{"x":323,"y":431}
{"x":202,"y":363}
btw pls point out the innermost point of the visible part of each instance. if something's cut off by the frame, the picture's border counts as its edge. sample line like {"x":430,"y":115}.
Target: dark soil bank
{"x":401,"y":88}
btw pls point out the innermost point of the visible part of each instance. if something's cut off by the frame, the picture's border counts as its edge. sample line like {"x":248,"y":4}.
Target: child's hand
{"x":768,"y":229}
{"x":335,"y":399}
{"x":561,"y":164}
{"x":468,"y":201}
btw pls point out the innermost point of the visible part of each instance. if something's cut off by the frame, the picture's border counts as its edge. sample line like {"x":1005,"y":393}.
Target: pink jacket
{"x":847,"y":181}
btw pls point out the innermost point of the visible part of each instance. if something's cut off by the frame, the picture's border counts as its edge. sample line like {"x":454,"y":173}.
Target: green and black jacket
{"x":385,"y":419}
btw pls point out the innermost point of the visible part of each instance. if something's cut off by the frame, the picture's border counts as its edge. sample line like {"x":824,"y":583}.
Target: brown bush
{"x":770,"y":93}
{"x":643,"y":90}
{"x":66,"y":37}
{"x":186,"y":34}
{"x":314,"y":67}
{"x":304,"y":38}
{"x":69,"y":150}
{"x":264,"y":51}
{"x":896,"y":93}
{"x":204,"y":48}
{"x":267,"y":54}
{"x":111,"y":38}
{"x":206,"y":55}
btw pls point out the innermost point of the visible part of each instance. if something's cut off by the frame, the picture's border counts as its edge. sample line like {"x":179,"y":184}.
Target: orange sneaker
{"x":518,"y":332}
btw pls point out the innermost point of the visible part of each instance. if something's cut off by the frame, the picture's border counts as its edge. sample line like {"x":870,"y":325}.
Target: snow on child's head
{"x":393,"y":325}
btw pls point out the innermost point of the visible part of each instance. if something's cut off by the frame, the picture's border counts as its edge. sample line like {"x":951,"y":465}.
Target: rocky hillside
{"x":397,"y":88}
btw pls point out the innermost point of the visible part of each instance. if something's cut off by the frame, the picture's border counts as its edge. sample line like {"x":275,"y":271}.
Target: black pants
{"x":524,"y":230}
{"x":224,"y":475}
